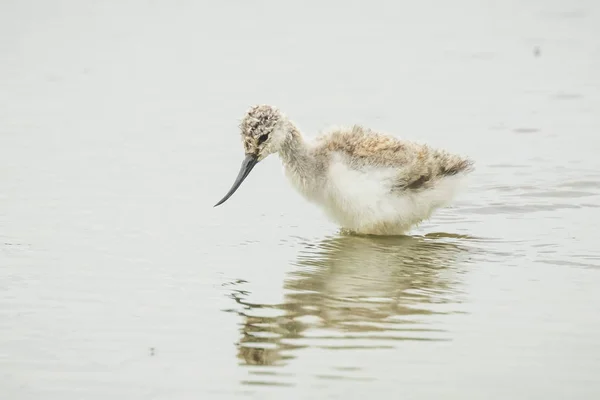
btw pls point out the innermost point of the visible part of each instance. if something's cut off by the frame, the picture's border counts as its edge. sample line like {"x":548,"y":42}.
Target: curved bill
{"x":247,"y":165}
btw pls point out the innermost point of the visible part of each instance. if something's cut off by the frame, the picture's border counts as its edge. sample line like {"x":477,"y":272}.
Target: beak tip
{"x":247,"y":165}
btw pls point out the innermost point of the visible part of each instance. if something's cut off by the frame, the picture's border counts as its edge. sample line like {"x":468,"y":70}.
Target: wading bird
{"x":367,"y":182}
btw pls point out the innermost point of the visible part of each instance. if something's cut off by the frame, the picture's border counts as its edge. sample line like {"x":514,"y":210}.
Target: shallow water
{"x":118,"y":132}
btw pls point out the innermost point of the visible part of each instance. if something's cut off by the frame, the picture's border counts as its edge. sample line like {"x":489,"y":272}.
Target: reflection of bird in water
{"x":365,"y":181}
{"x":354,"y":292}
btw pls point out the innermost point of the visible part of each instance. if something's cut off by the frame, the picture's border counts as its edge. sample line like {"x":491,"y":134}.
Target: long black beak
{"x":247,"y":165}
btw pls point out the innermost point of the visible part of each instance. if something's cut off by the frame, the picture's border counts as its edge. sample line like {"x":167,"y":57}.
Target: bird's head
{"x":263,"y":131}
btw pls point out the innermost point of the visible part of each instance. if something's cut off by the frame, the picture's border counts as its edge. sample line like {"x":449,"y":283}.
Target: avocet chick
{"x":367,"y":182}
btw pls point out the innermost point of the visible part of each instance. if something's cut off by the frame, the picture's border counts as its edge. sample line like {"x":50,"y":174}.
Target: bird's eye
{"x":262,"y":138}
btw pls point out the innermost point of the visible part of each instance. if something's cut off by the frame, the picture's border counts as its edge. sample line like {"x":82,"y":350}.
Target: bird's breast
{"x":309,"y":186}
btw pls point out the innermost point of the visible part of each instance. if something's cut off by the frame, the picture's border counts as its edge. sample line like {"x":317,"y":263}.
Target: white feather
{"x":362,"y":200}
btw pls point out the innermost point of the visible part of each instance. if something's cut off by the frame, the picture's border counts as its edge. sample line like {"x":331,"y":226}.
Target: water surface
{"x":118,"y":132}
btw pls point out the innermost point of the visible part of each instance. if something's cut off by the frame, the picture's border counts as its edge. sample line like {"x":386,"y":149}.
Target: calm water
{"x":118,"y":132}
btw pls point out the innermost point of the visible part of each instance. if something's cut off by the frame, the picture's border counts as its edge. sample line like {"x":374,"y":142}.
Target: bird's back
{"x":418,"y":165}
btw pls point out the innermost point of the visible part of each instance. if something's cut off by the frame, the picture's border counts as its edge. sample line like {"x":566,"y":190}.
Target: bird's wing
{"x":418,"y":165}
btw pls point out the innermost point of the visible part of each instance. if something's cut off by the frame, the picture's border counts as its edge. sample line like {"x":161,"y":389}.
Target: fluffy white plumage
{"x":363,"y":200}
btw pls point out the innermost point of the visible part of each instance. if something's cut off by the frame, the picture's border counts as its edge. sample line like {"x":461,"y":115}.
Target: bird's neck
{"x":295,"y":153}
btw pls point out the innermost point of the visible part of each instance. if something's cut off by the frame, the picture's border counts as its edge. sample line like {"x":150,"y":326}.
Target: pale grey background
{"x":118,"y":132}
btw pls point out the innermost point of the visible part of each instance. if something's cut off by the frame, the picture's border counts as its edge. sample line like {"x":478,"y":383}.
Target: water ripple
{"x":350,"y":292}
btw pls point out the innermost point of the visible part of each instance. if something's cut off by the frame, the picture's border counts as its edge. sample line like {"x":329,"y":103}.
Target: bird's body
{"x":367,"y":182}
